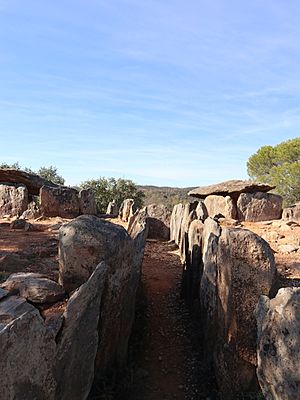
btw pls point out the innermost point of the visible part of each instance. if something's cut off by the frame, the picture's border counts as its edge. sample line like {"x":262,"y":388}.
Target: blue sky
{"x":170,"y":92}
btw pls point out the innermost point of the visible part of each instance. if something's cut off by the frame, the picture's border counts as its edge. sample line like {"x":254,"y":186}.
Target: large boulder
{"x":259,"y":206}
{"x":159,"y":221}
{"x":216,"y":205}
{"x":32,"y":181}
{"x":126,"y":209}
{"x":13,"y":199}
{"x":87,"y":202}
{"x":278,"y":324}
{"x":35,"y":288}
{"x":245,"y":270}
{"x":230,"y":188}
{"x":292,"y":213}
{"x":59,"y":202}
{"x":86,"y":241}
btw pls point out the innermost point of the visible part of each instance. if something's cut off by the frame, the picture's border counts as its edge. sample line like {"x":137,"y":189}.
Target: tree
{"x":278,"y":166}
{"x":108,"y":189}
{"x":15,"y":165}
{"x":51,"y":174}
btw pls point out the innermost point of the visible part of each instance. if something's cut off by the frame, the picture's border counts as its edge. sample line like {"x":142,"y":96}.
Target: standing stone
{"x":84,"y":243}
{"x":78,"y":342}
{"x":159,"y":221}
{"x":208,"y":283}
{"x":33,"y":211}
{"x":292,"y":213}
{"x":175,"y":223}
{"x":216,"y":205}
{"x":59,"y":202}
{"x":278,"y":324}
{"x":201,"y":211}
{"x":28,"y":352}
{"x":245,"y":270}
{"x":194,"y":264}
{"x":13,"y":199}
{"x":259,"y":206}
{"x":112,"y":209}
{"x":87,"y":202}
{"x":126,"y":210}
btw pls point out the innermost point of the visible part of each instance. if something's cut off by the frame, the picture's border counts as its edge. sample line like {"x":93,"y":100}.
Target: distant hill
{"x":168,"y":196}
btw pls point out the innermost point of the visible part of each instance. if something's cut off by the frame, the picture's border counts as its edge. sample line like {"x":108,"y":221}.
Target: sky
{"x":163,"y":92}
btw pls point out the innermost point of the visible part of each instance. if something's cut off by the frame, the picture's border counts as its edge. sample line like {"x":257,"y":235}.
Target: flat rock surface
{"x":229,"y":188}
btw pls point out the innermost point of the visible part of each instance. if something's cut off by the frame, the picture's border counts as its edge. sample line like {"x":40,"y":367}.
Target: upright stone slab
{"x":159,"y":221}
{"x":13,"y":199}
{"x":292,"y":213}
{"x":59,"y":202}
{"x":278,"y":324}
{"x":245,"y":270}
{"x":175,"y":223}
{"x":126,"y":209}
{"x":87,"y":202}
{"x":255,"y":207}
{"x":224,"y":205}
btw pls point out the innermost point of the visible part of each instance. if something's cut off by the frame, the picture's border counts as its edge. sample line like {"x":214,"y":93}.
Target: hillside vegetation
{"x":168,"y":196}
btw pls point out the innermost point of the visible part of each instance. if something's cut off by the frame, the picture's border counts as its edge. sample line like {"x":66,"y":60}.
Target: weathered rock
{"x":189,"y":215}
{"x":3,"y":293}
{"x":201,"y":211}
{"x":176,"y":221}
{"x":13,"y":263}
{"x":59,"y":202}
{"x":32,"y":212}
{"x":18,"y":224}
{"x":87,"y":202}
{"x":34,"y":287}
{"x":208,"y":283}
{"x":159,"y":221}
{"x":112,"y":209}
{"x":259,"y":206}
{"x":245,"y":270}
{"x":137,"y":222}
{"x":13,"y":199}
{"x":33,"y":182}
{"x":27,"y":352}
{"x":126,"y":209}
{"x":78,"y":342}
{"x":230,"y":188}
{"x":216,"y":205}
{"x":194,"y":265}
{"x":288,"y":248}
{"x":292,"y":213}
{"x":278,"y":324}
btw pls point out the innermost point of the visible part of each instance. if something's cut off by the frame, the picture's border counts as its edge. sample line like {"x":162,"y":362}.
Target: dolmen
{"x":244,"y":200}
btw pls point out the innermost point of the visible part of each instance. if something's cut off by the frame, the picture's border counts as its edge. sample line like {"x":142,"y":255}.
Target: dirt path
{"x":165,"y":351}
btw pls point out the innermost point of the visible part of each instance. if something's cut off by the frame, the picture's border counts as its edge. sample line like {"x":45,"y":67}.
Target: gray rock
{"x":33,"y":182}
{"x":208,"y":283}
{"x":34,"y":287}
{"x":3,"y":293}
{"x":78,"y":342}
{"x":288,"y":248}
{"x":245,"y":270}
{"x":159,"y":221}
{"x":201,"y":211}
{"x":13,"y":263}
{"x":32,"y":212}
{"x":112,"y":209}
{"x":230,"y":188}
{"x":126,"y":209}
{"x":87,"y":202}
{"x":13,"y":199}
{"x":27,"y":352}
{"x":18,"y":224}
{"x":292,"y":213}
{"x":216,"y":205}
{"x":175,"y":222}
{"x":259,"y":206}
{"x":278,"y":324}
{"x":84,"y":243}
{"x":59,"y":202}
